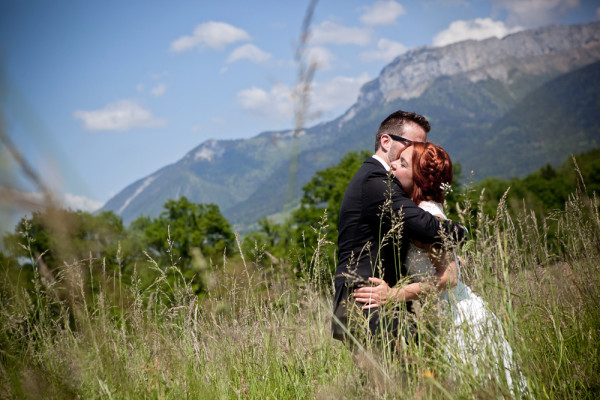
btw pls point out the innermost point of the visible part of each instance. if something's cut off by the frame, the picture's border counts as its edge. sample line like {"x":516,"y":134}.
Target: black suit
{"x":363,"y":223}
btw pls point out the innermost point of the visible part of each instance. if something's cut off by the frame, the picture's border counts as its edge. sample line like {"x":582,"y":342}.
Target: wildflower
{"x":446,"y":188}
{"x":428,"y":374}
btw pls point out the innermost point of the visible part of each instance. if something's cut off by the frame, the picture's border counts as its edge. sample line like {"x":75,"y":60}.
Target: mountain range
{"x":500,"y":107}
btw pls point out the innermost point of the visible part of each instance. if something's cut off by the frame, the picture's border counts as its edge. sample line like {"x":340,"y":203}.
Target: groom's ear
{"x":386,"y":142}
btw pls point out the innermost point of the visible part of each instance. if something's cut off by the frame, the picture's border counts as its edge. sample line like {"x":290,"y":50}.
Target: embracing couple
{"x":393,"y":247}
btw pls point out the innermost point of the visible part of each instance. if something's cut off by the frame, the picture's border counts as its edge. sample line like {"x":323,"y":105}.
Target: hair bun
{"x":432,"y":168}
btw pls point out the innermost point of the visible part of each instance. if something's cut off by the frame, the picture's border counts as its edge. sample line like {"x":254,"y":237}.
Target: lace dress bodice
{"x":419,"y":267}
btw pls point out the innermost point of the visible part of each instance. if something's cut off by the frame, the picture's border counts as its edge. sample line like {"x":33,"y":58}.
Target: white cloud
{"x":122,"y":115}
{"x":386,"y":51}
{"x":248,"y":52}
{"x":75,"y":202}
{"x":140,"y":87}
{"x":329,"y":32}
{"x":277,"y":104}
{"x":479,"y":28}
{"x":382,"y":13}
{"x":532,"y":13}
{"x":159,"y":89}
{"x":446,"y":3}
{"x":340,"y":92}
{"x":216,"y":35}
{"x":321,"y":57}
{"x":598,"y":13}
{"x":37,"y":200}
{"x":158,"y":75}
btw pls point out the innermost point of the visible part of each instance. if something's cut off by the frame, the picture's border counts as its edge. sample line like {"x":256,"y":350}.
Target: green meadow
{"x":91,"y":309}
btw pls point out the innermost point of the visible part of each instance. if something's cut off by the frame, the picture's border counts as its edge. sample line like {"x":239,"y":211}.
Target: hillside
{"x":480,"y":96}
{"x":558,"y":119}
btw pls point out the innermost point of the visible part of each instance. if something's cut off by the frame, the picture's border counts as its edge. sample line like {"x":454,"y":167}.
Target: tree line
{"x":193,"y":237}
{"x":185,"y":235}
{"x":544,"y":192}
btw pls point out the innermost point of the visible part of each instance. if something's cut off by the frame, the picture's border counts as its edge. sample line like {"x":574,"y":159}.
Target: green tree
{"x":322,"y":198}
{"x":276,"y":239}
{"x":188,"y":225}
{"x":69,"y":248}
{"x":589,"y":165}
{"x":59,"y":236}
{"x":185,"y":234}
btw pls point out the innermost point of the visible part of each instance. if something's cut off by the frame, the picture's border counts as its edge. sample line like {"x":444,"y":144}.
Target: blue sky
{"x":98,"y":94}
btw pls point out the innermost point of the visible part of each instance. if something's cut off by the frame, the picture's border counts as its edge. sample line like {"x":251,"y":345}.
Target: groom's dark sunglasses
{"x":399,"y":138}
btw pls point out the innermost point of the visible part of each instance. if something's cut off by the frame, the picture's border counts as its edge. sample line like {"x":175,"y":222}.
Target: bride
{"x":425,"y":171}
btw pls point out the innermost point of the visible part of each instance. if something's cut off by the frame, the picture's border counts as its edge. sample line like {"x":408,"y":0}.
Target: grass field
{"x":262,"y":330}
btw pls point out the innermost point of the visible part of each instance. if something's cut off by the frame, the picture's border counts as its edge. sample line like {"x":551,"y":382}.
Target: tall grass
{"x":262,"y":332}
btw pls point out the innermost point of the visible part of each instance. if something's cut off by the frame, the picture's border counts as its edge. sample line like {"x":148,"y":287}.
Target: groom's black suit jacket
{"x":365,"y":218}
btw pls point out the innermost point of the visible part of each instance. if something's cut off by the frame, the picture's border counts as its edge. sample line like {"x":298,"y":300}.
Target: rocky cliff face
{"x":552,"y":49}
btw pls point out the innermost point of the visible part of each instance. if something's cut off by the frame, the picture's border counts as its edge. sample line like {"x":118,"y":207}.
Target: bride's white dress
{"x":476,"y":333}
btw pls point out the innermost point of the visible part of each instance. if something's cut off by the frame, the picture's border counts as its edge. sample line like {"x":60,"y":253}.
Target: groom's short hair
{"x":394,"y":124}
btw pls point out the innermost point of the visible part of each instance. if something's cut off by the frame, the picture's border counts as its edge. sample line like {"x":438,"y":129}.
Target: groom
{"x":364,"y":221}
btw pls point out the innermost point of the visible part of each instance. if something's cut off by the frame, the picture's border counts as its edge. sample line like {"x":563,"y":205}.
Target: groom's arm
{"x":416,"y":223}
{"x":421,"y":225}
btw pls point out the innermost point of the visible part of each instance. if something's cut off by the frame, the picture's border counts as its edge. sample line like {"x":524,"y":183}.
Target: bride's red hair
{"x":432,"y":169}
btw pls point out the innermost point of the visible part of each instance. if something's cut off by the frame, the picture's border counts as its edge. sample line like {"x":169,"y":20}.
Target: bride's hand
{"x":373,"y":296}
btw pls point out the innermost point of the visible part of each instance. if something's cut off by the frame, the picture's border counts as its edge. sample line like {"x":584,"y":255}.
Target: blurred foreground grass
{"x":262,"y":330}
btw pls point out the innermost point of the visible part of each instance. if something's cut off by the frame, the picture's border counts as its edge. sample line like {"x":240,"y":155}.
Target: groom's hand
{"x":373,"y":296}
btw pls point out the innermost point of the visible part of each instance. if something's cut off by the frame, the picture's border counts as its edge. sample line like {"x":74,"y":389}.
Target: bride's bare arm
{"x":446,"y":271}
{"x":444,"y":261}
{"x":375,"y":296}
{"x":445,"y":277}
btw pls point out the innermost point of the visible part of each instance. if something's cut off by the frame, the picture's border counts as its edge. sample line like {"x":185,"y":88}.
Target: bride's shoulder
{"x":432,"y":207}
